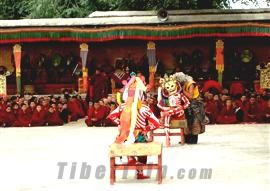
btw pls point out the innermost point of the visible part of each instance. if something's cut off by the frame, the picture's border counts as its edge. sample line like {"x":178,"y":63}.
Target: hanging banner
{"x":151,"y":55}
{"x":220,"y":59}
{"x":83,"y":54}
{"x":17,"y":52}
{"x":3,"y":85}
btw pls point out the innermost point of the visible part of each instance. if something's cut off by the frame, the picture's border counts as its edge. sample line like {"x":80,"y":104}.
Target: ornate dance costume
{"x":171,"y":101}
{"x":133,"y":117}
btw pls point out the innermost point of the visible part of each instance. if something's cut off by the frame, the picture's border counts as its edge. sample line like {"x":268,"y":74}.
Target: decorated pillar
{"x":17,"y":52}
{"x":220,"y":59}
{"x":151,"y":54}
{"x":3,"y":85}
{"x":83,"y":54}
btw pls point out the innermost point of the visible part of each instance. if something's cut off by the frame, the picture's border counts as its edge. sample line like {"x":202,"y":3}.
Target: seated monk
{"x":253,"y":111}
{"x":227,"y":115}
{"x":3,"y":103}
{"x":108,"y":122}
{"x":95,"y":115}
{"x":15,"y":109}
{"x":2,"y":115}
{"x":45,"y":105}
{"x":23,"y":118}
{"x":32,"y":106}
{"x":211,"y":108}
{"x":75,"y":108}
{"x":106,"y":107}
{"x":9,"y":117}
{"x":266,"y":112}
{"x":63,"y":112}
{"x":53,"y":118}
{"x":239,"y":113}
{"x":85,"y":105}
{"x":38,"y":117}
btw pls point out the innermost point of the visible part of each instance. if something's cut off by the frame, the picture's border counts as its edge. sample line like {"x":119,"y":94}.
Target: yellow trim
{"x":150,"y":28}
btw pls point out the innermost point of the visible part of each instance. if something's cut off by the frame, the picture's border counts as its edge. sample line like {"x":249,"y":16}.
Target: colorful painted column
{"x":83,"y":54}
{"x":17,"y":52}
{"x":3,"y":85}
{"x":151,"y":54}
{"x":220,"y":59}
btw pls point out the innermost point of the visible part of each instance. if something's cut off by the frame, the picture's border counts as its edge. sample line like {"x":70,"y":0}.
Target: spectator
{"x":75,"y":109}
{"x":9,"y":117}
{"x":38,"y":117}
{"x":253,"y":111}
{"x":212,"y":108}
{"x":266,"y":112}
{"x":53,"y":118}
{"x":23,"y":117}
{"x":239,"y":113}
{"x":64,"y":112}
{"x":95,"y":115}
{"x":2,"y":114}
{"x":227,"y":115}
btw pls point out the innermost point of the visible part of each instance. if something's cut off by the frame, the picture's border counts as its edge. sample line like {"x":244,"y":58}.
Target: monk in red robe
{"x":227,"y":115}
{"x":253,"y":111}
{"x":100,"y":85}
{"x":243,"y":104}
{"x":2,"y":114}
{"x":108,"y":122}
{"x":2,"y":103}
{"x":96,"y":115}
{"x":31,"y":108}
{"x":106,"y":107}
{"x":75,"y":108}
{"x":15,"y":109}
{"x":45,"y":105}
{"x":53,"y":118}
{"x":211,"y":108}
{"x":9,"y":117}
{"x":23,"y":118}
{"x":38,"y":117}
{"x":266,"y":112}
{"x":85,"y":105}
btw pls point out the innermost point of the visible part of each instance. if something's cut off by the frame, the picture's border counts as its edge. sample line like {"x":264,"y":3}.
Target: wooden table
{"x":135,"y":149}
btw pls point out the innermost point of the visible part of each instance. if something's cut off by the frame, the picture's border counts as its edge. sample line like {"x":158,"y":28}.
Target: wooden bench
{"x":175,"y":124}
{"x":135,"y":149}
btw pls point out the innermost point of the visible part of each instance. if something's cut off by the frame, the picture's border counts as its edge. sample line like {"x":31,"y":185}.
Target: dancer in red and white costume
{"x":171,"y":101}
{"x":132,"y":118}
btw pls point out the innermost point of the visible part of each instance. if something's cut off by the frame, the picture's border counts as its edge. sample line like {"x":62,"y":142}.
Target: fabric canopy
{"x":38,"y":34}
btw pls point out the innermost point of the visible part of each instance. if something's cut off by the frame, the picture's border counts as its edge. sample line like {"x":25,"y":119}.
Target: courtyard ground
{"x":236,"y":157}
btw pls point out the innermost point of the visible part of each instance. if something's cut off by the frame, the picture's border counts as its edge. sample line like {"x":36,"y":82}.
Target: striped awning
{"x":164,"y":32}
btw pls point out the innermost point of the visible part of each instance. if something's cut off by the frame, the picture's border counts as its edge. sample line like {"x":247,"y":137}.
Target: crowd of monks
{"x":30,"y":111}
{"x":225,"y":109}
